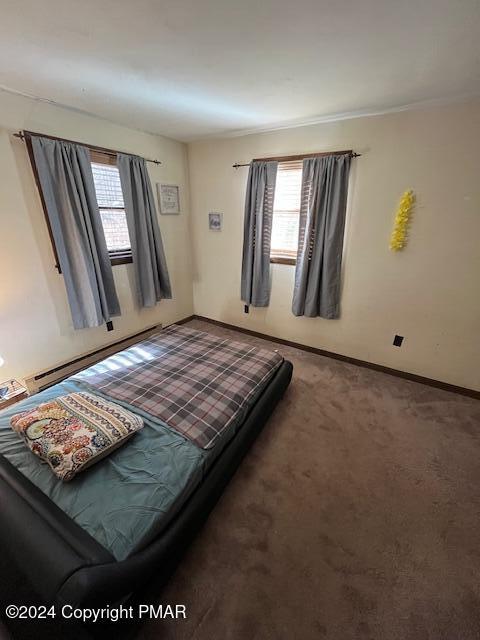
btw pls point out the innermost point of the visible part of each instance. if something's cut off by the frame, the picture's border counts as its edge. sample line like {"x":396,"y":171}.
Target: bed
{"x":97,"y":539}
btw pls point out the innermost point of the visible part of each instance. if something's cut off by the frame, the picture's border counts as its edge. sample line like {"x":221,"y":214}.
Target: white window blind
{"x":286,"y":210}
{"x":110,"y":202}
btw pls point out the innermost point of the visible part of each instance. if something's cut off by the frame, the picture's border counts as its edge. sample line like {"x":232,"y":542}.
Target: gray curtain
{"x":255,"y":287}
{"x":66,"y":180}
{"x":320,"y":243}
{"x":151,"y":273}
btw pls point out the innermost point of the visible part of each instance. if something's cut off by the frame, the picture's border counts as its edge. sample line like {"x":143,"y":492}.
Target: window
{"x":286,"y":212}
{"x":112,"y":209}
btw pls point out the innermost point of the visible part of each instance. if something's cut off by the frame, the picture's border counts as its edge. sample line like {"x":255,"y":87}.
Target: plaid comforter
{"x":195,"y":382}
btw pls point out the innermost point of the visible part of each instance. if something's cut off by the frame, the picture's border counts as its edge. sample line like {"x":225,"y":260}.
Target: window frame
{"x":277,"y":258}
{"x":117,"y":256}
{"x":282,"y":260}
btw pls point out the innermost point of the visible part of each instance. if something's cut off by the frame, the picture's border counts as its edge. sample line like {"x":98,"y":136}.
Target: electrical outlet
{"x":246,"y":309}
{"x":397,"y":341}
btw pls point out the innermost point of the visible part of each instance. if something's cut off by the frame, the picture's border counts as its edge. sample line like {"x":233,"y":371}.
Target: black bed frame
{"x":64,"y":564}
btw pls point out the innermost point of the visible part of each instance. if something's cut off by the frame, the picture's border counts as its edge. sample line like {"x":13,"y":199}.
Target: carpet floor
{"x":355,"y":515}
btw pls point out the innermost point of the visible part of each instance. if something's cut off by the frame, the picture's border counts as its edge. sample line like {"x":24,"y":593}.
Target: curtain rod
{"x":348,"y":152}
{"x":110,"y":152}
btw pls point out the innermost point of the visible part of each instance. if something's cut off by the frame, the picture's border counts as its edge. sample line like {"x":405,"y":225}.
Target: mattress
{"x":197,"y":383}
{"x":62,"y":563}
{"x":126,"y":495}
{"x":127,"y":499}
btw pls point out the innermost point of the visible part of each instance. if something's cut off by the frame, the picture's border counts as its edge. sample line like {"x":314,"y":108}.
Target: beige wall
{"x":35,"y":324}
{"x":428,"y":293}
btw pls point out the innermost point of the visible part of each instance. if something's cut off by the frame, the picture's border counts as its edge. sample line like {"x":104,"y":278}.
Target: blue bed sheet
{"x":128,"y":497}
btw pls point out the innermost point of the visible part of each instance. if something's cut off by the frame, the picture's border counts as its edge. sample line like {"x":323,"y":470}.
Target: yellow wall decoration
{"x":398,"y":239}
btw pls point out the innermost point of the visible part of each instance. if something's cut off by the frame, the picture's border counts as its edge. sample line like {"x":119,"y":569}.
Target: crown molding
{"x":347,"y":115}
{"x":83,"y":112}
{"x":278,"y":126}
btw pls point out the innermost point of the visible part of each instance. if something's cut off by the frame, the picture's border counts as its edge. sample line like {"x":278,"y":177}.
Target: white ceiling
{"x":192,"y":68}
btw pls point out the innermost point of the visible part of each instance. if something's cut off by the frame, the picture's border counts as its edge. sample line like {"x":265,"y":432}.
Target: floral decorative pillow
{"x":74,"y":431}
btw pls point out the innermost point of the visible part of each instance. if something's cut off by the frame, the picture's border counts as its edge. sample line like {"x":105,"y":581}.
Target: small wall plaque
{"x":168,"y":198}
{"x":215,"y":221}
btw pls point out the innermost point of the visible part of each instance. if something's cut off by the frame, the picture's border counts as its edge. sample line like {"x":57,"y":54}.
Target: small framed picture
{"x":168,"y":197}
{"x":215,"y":221}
